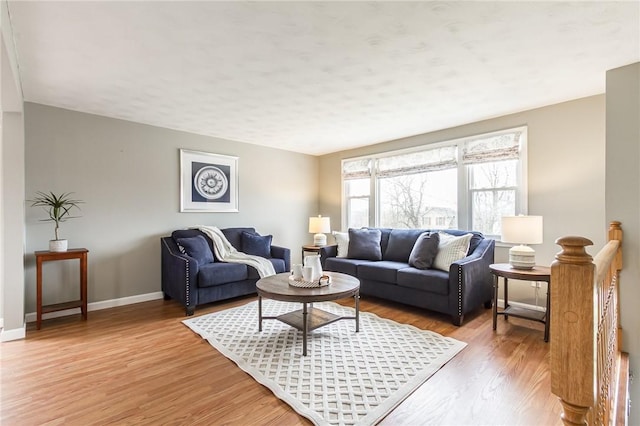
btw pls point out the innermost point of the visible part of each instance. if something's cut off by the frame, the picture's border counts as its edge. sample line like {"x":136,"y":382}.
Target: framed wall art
{"x":208,"y":182}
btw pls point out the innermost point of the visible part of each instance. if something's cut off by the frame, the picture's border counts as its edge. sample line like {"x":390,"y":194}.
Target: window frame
{"x":465,"y":193}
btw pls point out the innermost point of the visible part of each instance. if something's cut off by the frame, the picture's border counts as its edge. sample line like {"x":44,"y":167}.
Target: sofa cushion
{"x":342,"y":240}
{"x":384,"y":271}
{"x":278,"y":265}
{"x":196,"y":247}
{"x":364,"y":244}
{"x":234,"y":236}
{"x":219,"y":273}
{"x":451,"y":249}
{"x":256,"y":245}
{"x":344,"y":265}
{"x":424,"y":250}
{"x":431,"y":280}
{"x":401,"y":242}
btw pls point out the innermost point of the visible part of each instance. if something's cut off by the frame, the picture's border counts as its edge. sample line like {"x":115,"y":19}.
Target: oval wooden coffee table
{"x":308,"y":318}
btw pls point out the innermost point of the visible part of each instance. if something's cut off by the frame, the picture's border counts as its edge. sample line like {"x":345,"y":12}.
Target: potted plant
{"x":59,"y":209}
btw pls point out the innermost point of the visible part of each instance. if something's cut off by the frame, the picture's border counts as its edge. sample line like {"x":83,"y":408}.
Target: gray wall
{"x":623,"y":202}
{"x":566,"y":169}
{"x":128,"y":176}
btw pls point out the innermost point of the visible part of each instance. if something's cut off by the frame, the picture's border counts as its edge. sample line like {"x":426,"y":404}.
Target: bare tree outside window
{"x":411,"y":201}
{"x":493,"y":191}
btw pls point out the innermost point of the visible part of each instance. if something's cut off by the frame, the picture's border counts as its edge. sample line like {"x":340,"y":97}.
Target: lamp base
{"x":522,"y":257}
{"x":319,"y":240}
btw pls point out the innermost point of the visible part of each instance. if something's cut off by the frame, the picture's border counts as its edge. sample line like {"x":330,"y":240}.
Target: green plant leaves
{"x":57,"y":206}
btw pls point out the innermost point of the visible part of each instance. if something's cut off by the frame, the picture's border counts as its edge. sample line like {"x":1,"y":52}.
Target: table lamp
{"x":522,"y":230}
{"x":318,"y":226}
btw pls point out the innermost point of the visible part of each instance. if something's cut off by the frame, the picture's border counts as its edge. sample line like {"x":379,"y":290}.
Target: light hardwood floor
{"x":138,"y":364}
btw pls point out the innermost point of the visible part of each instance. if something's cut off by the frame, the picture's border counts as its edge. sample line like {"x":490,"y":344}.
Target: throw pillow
{"x":196,"y":247}
{"x":451,"y":249}
{"x":401,"y":242}
{"x":424,"y":250}
{"x":364,"y":244}
{"x":257,"y":245}
{"x":342,"y":239}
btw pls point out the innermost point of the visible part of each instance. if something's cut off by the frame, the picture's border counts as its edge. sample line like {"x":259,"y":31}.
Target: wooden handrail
{"x":604,"y":258}
{"x":585,"y":329}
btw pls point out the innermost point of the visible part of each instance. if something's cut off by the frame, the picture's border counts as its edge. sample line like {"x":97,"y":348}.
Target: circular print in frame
{"x":211,"y":182}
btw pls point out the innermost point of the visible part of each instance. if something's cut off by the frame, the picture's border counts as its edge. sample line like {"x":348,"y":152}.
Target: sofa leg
{"x":457,"y":320}
{"x":488,"y":304}
{"x":165,"y":296}
{"x":190,"y":310}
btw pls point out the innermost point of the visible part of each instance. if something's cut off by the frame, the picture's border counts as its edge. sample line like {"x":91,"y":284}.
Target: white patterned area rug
{"x":347,"y":378}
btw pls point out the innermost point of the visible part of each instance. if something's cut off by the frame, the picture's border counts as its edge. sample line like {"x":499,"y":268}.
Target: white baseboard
{"x":522,"y":305}
{"x":14,"y":334}
{"x":96,"y":306}
{"x":20,"y":333}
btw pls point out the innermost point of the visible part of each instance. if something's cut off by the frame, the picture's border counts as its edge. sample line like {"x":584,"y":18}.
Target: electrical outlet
{"x":536,"y":284}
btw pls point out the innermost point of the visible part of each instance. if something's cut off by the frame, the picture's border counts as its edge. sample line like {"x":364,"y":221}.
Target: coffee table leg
{"x":305,"y":327}
{"x":259,"y":313}
{"x":357,"y":297}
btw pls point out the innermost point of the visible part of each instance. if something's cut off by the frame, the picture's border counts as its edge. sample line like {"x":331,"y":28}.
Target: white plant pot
{"x":58,"y":245}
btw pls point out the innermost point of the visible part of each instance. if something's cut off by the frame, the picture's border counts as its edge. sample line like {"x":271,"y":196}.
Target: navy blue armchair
{"x":195,"y":279}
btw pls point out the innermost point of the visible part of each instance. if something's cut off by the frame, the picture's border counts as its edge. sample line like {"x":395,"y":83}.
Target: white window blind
{"x":418,"y":162}
{"x":356,"y":169}
{"x":495,"y":148}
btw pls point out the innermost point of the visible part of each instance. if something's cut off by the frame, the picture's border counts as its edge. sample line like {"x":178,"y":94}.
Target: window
{"x":413,"y":188}
{"x":467,"y":184}
{"x":493,"y":191}
{"x":357,"y":189}
{"x":492,"y":163}
{"x":358,"y":202}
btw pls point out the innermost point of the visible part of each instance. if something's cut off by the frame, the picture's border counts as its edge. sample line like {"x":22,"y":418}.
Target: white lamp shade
{"x":319,"y":224}
{"x":522,"y":229}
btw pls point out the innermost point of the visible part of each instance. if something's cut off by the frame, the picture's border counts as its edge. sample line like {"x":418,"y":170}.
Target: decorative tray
{"x":308,"y":284}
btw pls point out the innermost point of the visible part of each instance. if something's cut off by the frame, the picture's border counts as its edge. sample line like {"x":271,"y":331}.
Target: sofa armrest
{"x":179,"y":275}
{"x":284,"y":253}
{"x":328,"y":251}
{"x":470,"y":279}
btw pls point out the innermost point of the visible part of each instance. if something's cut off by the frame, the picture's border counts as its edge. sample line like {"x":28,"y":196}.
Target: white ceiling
{"x":317,"y":77}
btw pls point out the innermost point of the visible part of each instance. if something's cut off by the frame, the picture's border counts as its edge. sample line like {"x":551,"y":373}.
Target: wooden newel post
{"x":615,"y":233}
{"x":573,"y":349}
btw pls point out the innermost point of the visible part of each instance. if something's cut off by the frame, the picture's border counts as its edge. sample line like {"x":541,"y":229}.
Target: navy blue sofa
{"x":191,"y":283}
{"x":467,"y":285}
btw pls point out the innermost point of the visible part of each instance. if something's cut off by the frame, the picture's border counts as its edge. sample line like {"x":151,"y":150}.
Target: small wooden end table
{"x":310,"y":249}
{"x":538,"y":273}
{"x":47,"y":256}
{"x":308,"y":318}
